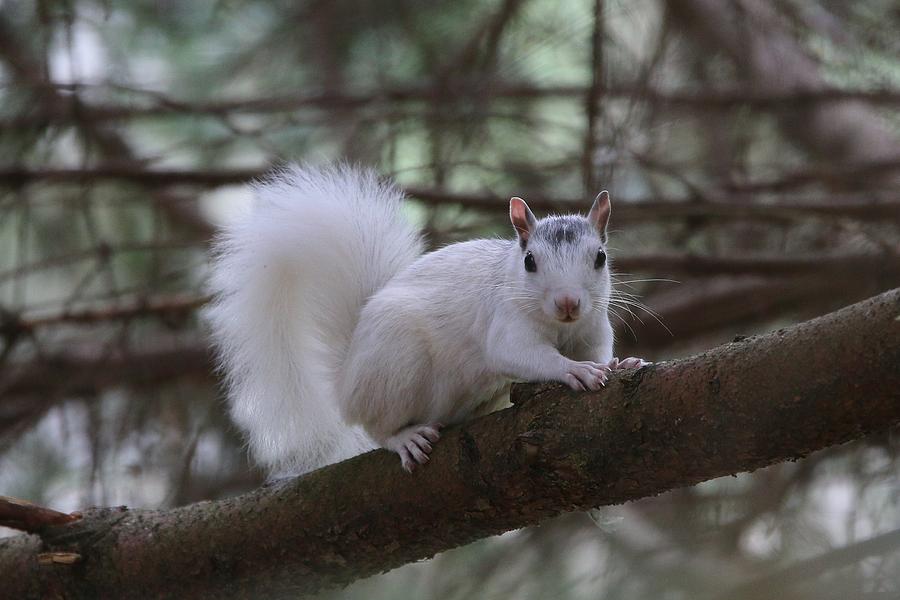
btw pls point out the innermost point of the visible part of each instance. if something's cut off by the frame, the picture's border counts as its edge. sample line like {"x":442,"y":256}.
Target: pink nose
{"x":567,"y":307}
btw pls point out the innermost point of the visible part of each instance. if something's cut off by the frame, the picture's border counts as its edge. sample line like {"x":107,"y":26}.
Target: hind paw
{"x":414,"y":444}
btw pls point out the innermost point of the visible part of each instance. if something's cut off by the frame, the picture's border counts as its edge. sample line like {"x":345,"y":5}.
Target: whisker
{"x":629,"y":311}
{"x":625,"y":300}
{"x":645,"y":281}
{"x":641,"y":306}
{"x":624,"y":322}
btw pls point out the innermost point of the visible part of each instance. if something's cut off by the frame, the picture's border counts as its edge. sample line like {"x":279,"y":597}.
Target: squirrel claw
{"x":586,"y":375}
{"x":627,"y":363}
{"x":414,"y":444}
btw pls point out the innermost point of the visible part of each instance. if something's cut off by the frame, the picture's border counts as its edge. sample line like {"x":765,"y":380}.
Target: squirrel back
{"x":289,"y":281}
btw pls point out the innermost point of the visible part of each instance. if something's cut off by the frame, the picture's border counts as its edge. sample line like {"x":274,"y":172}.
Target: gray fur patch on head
{"x":557,"y":230}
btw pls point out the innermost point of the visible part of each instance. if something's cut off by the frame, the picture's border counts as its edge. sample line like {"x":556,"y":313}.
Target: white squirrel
{"x":337,"y":335}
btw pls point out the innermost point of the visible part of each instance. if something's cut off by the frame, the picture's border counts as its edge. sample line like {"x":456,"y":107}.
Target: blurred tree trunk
{"x":738,"y":407}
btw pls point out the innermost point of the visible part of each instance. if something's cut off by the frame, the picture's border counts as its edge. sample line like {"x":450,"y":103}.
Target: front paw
{"x":626,"y":363}
{"x":585,"y":375}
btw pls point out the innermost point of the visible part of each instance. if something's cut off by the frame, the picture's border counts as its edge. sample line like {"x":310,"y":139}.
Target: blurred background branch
{"x":751,"y":147}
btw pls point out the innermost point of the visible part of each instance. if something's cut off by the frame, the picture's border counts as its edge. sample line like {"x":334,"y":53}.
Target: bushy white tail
{"x":289,"y":281}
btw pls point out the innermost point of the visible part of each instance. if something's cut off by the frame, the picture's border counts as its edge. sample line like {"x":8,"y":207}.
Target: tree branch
{"x":783,"y":578}
{"x":88,"y":369}
{"x":857,"y":267}
{"x":25,"y":516}
{"x":166,"y":307}
{"x":738,"y":407}
{"x":864,"y":207}
{"x":163,"y":106}
{"x":871,"y":206}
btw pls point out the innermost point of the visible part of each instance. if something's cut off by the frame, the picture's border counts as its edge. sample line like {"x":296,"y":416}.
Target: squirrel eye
{"x":530,"y":265}
{"x":600,"y":260}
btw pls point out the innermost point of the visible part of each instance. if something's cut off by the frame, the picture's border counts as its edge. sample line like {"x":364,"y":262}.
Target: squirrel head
{"x":560,"y":262}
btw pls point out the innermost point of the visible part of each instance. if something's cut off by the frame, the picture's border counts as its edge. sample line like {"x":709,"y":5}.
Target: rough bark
{"x":735,"y":408}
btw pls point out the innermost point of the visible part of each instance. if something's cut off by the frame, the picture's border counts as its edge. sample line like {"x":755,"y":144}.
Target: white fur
{"x":448,"y":333}
{"x":336,"y":336}
{"x":289,"y":280}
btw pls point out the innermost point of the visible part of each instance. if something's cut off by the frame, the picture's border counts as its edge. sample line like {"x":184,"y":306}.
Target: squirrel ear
{"x":522,"y":219}
{"x":599,"y":215}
